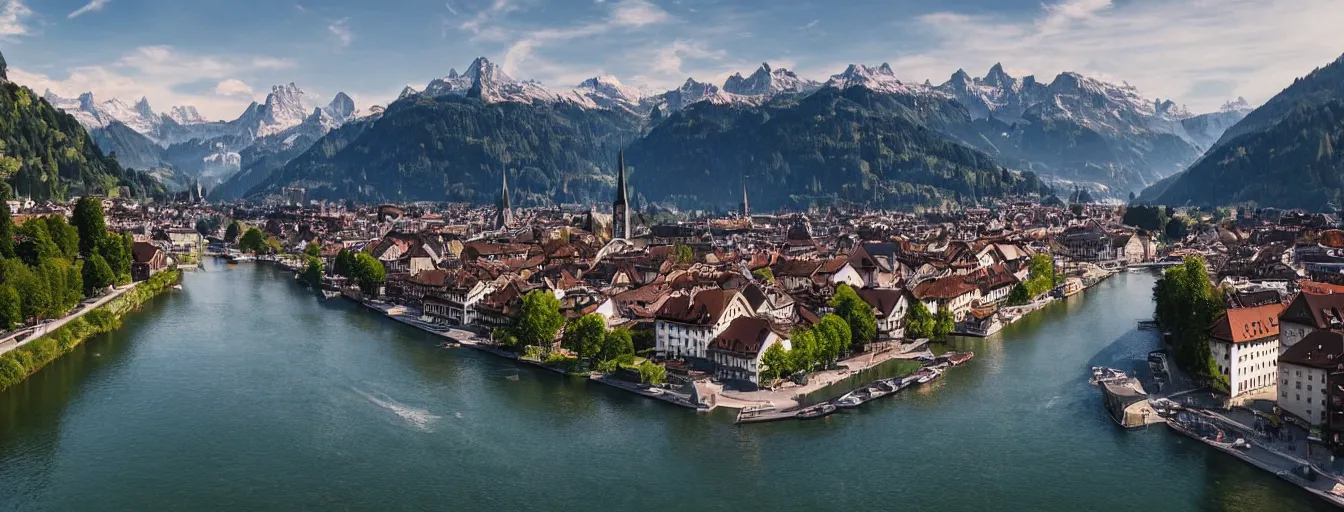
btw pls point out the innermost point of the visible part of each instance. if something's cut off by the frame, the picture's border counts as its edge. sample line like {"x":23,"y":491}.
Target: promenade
{"x":11,"y":341}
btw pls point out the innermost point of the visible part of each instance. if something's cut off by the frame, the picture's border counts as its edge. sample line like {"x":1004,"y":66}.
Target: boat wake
{"x":419,"y":418}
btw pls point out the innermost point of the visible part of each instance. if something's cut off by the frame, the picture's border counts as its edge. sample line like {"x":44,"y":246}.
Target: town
{"x":759,"y":311}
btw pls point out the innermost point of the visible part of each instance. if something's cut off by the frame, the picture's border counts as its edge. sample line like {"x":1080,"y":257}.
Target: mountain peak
{"x":997,"y":77}
{"x":961,"y":76}
{"x":452,"y":73}
{"x":142,"y":107}
{"x":886,"y":69}
{"x":1239,"y":104}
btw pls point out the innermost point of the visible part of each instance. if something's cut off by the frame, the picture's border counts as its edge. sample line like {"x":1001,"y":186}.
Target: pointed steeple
{"x":746,"y":207}
{"x":620,"y":180}
{"x":620,"y":207}
{"x":504,"y":217}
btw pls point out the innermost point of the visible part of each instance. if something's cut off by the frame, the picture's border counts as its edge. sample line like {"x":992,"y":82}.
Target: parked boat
{"x":849,"y":400}
{"x":1102,"y":374}
{"x":960,"y":358}
{"x":816,"y":411}
{"x":927,"y":375}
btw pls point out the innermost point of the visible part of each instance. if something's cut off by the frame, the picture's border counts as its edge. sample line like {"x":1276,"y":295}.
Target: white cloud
{"x":161,"y":73}
{"x":93,"y":5}
{"x":623,"y":15}
{"x":1200,"y":52}
{"x":449,"y":5}
{"x":13,"y":13}
{"x":812,"y":23}
{"x":234,"y":87}
{"x":341,"y":29}
{"x":477,"y":25}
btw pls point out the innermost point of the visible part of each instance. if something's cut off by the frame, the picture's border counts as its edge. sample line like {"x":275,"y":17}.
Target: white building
{"x":889,"y":306}
{"x":1307,"y":313}
{"x":1303,"y":370}
{"x":684,"y":326}
{"x":1245,"y":344}
{"x":736,"y":353}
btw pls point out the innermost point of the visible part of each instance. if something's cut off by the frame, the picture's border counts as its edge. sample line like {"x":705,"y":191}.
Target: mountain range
{"x":1073,"y":130}
{"x":1283,"y":154}
{"x":182,"y":147}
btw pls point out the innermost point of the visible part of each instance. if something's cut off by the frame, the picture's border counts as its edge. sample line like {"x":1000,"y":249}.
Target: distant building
{"x":295,"y":196}
{"x":146,"y":260}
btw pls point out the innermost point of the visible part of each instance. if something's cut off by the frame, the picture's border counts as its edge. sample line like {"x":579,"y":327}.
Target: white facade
{"x":1302,"y":392}
{"x":731,"y":366}
{"x":676,"y":339}
{"x":1290,"y":333}
{"x":1249,"y":366}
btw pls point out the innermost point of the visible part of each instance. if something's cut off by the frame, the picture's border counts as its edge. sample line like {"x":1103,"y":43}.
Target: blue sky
{"x":220,"y":54}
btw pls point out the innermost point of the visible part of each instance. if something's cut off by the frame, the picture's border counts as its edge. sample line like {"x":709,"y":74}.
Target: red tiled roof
{"x":744,"y":336}
{"x":1240,"y":325}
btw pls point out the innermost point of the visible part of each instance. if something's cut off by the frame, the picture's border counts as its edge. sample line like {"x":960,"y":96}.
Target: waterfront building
{"x":1303,"y":370}
{"x":889,"y":306}
{"x":685,"y":325}
{"x":1245,"y":344}
{"x":736,"y":352}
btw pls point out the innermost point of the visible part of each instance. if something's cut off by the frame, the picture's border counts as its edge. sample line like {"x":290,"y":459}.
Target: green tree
{"x":344,"y":261}
{"x":650,"y":373}
{"x":857,"y":314}
{"x":683,"y":254}
{"x":1176,"y":230}
{"x":918,"y":321}
{"x":313,"y":250}
{"x":367,"y":271}
{"x":804,"y":353}
{"x":1019,"y":295}
{"x":10,"y":314}
{"x":764,"y":274}
{"x":97,"y":275}
{"x":833,"y":337}
{"x":943,"y":324}
{"x":584,"y":335}
{"x":88,"y":220}
{"x":231,"y":233}
{"x":64,"y":235}
{"x":777,"y":362}
{"x":35,"y":297}
{"x":538,"y":319}
{"x":6,"y":224}
{"x":1186,"y":304}
{"x":117,"y":254}
{"x":312,"y":274}
{"x":618,"y":345}
{"x":253,"y":240}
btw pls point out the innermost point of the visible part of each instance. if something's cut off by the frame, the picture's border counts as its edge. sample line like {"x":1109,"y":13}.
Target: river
{"x":246,"y":392}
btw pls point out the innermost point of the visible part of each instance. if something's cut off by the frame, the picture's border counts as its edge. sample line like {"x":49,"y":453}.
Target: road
{"x":9,"y":343}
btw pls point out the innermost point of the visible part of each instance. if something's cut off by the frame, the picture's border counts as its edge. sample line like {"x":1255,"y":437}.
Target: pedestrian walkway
{"x":11,"y":342}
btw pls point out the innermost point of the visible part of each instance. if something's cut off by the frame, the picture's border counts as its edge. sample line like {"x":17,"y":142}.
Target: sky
{"x":219,"y":55}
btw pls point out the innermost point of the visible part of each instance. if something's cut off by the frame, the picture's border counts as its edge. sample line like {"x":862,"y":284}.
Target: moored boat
{"x":960,"y":358}
{"x":927,"y":375}
{"x":816,"y":411}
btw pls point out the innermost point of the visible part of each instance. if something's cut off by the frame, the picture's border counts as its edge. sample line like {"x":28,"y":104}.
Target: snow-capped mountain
{"x":692,"y":92}
{"x":769,"y":82}
{"x":877,"y":79}
{"x":185,"y":114}
{"x":93,"y":114}
{"x":485,"y":81}
{"x":607,"y":91}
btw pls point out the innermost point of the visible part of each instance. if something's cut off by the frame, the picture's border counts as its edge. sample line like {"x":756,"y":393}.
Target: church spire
{"x":505,"y":215}
{"x":746,"y":208}
{"x":620,"y":207}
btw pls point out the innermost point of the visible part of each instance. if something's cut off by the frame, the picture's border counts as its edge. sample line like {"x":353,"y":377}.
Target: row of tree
{"x":47,"y":266}
{"x":1186,"y":305}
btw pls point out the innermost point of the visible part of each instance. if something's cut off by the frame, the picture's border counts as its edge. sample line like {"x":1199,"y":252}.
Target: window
{"x":1299,"y":384}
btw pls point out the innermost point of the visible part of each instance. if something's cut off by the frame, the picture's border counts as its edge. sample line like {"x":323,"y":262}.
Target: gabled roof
{"x":704,"y":309}
{"x":1321,"y":311}
{"x":1320,"y":349}
{"x":745,"y":336}
{"x":883,"y":301}
{"x":1240,"y":325}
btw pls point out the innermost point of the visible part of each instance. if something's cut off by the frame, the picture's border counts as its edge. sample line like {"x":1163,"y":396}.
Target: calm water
{"x":246,"y":392}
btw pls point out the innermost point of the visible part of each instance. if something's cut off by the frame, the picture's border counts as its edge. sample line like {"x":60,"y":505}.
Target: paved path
{"x":9,"y":342}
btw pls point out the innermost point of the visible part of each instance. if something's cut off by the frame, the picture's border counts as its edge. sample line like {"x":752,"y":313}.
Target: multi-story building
{"x":685,"y":325}
{"x":1310,"y":311}
{"x":737,"y":351}
{"x":1245,"y":344}
{"x":1303,"y":373}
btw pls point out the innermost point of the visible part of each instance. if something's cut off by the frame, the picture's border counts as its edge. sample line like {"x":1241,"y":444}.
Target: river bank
{"x":246,"y":392}
{"x":100,"y":317}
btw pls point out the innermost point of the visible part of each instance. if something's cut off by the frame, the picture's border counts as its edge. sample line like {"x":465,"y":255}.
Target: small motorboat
{"x":850,"y":400}
{"x":816,"y":411}
{"x":927,"y":375}
{"x":960,"y":358}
